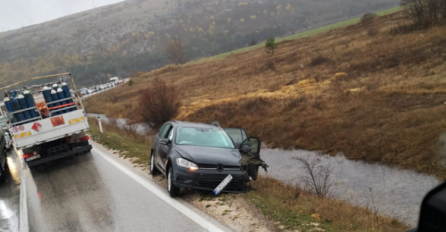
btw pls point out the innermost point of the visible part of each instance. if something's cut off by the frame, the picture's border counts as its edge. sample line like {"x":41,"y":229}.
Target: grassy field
{"x":298,"y":35}
{"x":285,"y":204}
{"x":357,"y":89}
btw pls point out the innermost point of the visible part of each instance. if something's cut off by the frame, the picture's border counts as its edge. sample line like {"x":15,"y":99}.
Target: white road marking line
{"x":172,"y":202}
{"x":24,"y":226}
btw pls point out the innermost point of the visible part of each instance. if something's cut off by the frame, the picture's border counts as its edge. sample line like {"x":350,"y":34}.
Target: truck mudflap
{"x":74,"y":151}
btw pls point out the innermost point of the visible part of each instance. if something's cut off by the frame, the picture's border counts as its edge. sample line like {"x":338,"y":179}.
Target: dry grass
{"x":376,"y":98}
{"x":296,"y":209}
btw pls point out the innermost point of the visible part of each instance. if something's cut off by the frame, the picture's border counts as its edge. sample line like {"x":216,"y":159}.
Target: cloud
{"x":20,"y":13}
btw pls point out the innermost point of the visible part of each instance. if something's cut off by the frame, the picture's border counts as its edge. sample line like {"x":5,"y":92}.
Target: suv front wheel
{"x":171,"y":188}
{"x":153,"y":169}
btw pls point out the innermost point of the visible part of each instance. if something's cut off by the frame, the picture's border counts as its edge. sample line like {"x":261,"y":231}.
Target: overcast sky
{"x":19,"y":13}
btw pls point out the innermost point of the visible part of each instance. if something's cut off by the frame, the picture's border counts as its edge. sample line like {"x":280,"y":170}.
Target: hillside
{"x":121,"y":38}
{"x":359,"y":90}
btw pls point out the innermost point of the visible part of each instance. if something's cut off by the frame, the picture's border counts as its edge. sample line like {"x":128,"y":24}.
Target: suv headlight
{"x":186,"y":164}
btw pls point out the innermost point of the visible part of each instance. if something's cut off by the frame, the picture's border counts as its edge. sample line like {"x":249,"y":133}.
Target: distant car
{"x":3,"y":161}
{"x":201,"y":156}
{"x":101,"y":87}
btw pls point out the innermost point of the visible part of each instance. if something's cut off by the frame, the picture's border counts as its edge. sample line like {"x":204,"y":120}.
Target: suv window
{"x":163,"y":131}
{"x":170,"y":137}
{"x":238,"y":135}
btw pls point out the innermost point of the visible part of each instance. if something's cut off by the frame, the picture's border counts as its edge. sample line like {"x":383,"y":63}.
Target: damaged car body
{"x":201,"y":156}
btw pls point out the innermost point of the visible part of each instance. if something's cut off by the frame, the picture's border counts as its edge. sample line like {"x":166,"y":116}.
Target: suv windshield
{"x":204,"y":137}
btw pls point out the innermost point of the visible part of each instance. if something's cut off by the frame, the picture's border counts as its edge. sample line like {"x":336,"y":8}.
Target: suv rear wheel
{"x":173,"y":190}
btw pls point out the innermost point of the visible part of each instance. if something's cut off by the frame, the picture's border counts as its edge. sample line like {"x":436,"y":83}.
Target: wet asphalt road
{"x":10,"y":198}
{"x":97,"y":192}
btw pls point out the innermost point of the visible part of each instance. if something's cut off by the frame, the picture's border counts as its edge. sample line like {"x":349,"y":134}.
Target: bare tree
{"x":425,"y":12}
{"x":318,"y":176}
{"x":415,"y":9}
{"x":158,"y":103}
{"x":175,"y":51}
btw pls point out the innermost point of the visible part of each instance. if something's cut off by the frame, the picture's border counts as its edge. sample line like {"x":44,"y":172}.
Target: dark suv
{"x":201,"y":156}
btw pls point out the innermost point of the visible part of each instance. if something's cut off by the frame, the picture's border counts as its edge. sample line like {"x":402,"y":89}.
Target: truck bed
{"x":49,"y":129}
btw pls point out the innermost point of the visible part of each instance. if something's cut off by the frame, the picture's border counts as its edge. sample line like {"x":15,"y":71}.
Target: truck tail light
{"x":86,"y":138}
{"x":31,"y":154}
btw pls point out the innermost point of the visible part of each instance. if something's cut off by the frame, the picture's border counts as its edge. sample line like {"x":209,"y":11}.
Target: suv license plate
{"x":223,"y":184}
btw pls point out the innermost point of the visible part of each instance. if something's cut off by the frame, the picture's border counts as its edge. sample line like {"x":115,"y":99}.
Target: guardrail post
{"x":100,"y":124}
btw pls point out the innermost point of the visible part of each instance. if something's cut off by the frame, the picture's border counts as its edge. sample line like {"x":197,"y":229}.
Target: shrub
{"x":367,"y":17}
{"x":318,"y":176}
{"x":425,"y":13}
{"x":130,"y":82}
{"x":158,"y":103}
{"x":175,"y":51}
{"x":318,"y":60}
{"x":270,"y":45}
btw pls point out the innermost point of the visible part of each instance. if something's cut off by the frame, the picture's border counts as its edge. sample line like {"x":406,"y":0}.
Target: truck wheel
{"x":3,"y":171}
{"x":173,"y":190}
{"x":153,"y":170}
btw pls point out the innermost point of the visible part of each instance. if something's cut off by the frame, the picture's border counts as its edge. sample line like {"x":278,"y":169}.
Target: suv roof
{"x":193,"y":124}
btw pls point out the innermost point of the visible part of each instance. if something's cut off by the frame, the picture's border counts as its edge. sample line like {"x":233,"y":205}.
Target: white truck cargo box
{"x":50,"y":129}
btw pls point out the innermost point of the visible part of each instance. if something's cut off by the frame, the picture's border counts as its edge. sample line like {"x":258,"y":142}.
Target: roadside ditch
{"x":279,"y":204}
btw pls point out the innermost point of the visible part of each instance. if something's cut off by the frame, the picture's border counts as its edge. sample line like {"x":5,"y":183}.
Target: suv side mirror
{"x":246,"y":149}
{"x":164,"y":141}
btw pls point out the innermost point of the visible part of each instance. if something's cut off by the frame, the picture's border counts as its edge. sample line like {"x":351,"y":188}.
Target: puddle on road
{"x":396,"y":192}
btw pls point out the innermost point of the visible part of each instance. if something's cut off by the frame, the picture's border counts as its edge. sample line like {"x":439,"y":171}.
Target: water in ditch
{"x":389,"y":191}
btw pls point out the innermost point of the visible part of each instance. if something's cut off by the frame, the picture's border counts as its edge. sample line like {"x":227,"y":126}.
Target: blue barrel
{"x":8,"y":104}
{"x":16,"y":106}
{"x":55,"y":98}
{"x":67,"y":93}
{"x":46,"y":91}
{"x":23,"y":105}
{"x":30,"y":103}
{"x":61,"y":95}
